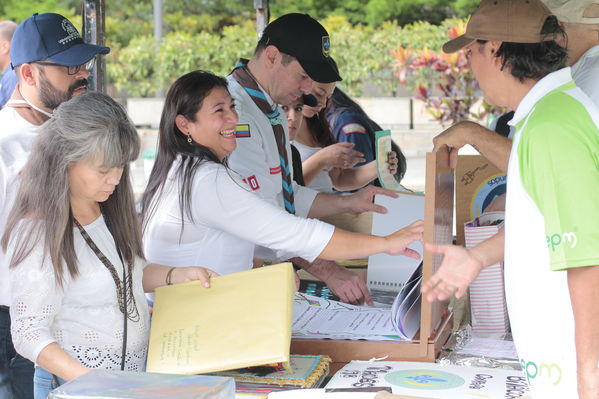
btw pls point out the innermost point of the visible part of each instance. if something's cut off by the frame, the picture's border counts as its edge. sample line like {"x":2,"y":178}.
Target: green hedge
{"x":362,"y":53}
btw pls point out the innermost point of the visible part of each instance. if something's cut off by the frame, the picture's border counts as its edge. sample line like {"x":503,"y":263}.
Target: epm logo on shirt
{"x":242,"y":130}
{"x":555,"y":240}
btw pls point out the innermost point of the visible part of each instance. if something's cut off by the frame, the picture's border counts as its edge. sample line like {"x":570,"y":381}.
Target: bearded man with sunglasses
{"x":52,"y":65}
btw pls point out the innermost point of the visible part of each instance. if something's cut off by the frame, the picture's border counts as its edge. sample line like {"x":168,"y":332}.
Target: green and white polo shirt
{"x":552,"y":224}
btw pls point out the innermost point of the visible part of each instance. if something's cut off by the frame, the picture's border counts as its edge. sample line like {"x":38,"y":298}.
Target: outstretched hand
{"x":458,"y":269}
{"x":363,"y":200}
{"x":341,"y":155}
{"x":404,"y":237}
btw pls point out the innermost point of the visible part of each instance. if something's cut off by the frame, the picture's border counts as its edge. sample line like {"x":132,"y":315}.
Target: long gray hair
{"x":91,"y":126}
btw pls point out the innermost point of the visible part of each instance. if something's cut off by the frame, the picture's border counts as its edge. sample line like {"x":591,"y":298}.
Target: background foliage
{"x":212,"y":34}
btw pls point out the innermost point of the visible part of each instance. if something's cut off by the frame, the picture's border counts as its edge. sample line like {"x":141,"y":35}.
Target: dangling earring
{"x":189,"y":139}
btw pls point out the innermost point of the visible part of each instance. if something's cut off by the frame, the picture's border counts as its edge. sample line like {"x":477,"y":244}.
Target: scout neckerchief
{"x":244,"y":77}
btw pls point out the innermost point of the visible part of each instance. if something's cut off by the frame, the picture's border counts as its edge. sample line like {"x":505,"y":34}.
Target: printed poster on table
{"x":430,"y":380}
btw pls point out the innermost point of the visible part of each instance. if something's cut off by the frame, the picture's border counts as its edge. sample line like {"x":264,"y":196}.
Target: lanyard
{"x":126,"y":302}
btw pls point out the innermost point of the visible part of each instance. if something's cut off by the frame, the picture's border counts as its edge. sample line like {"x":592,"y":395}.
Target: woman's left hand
{"x":392,"y":162}
{"x":193,"y":273}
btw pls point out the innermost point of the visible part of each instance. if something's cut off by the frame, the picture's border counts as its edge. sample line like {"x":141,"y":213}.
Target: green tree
{"x":18,"y":10}
{"x":407,"y":11}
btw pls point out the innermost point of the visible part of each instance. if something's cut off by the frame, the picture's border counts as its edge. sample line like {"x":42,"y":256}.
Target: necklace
{"x":124,"y":288}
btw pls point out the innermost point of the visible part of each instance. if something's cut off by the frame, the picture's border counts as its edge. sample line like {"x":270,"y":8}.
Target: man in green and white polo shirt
{"x":552,"y":218}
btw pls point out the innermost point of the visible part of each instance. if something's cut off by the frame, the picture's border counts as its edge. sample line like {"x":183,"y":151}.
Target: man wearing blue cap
{"x":52,"y":64}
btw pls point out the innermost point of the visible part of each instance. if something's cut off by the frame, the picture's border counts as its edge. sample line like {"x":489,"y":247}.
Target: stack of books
{"x":307,"y":372}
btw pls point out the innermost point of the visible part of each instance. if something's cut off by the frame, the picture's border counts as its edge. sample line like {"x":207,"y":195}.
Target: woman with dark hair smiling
{"x":195,"y":209}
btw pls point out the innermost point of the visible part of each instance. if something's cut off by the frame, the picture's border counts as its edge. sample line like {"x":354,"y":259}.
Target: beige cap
{"x":515,"y":21}
{"x":575,"y":11}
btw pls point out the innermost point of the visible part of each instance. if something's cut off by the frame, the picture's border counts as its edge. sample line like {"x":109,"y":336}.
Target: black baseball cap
{"x":303,"y":37}
{"x":51,"y":36}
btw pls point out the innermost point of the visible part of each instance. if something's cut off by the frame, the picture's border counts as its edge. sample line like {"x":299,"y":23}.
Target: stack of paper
{"x":405,"y":313}
{"x":242,"y":320}
{"x":306,"y":372}
{"x":386,"y":272}
{"x":319,"y":318}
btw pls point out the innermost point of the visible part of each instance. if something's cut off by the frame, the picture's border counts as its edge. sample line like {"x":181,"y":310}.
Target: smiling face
{"x":214,"y":124}
{"x":91,"y":182}
{"x":294,"y":118}
{"x":322,"y":92}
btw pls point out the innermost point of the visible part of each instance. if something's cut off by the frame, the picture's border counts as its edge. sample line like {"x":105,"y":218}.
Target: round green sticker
{"x":424,"y":379}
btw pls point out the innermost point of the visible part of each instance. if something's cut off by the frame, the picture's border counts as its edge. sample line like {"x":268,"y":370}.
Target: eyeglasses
{"x":71,"y":69}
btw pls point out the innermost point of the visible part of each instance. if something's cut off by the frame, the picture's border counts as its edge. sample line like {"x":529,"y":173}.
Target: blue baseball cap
{"x":51,"y":37}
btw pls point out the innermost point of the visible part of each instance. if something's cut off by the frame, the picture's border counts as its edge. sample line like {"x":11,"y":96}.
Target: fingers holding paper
{"x":392,"y":162}
{"x":193,"y":273}
{"x":458,"y":269}
{"x":349,"y":287}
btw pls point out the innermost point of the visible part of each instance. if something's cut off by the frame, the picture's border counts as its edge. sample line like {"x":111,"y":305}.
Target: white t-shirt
{"x":322,"y":182}
{"x":256,"y":158}
{"x":551,"y":226}
{"x":228,"y":220}
{"x":16,"y":141}
{"x":586,"y":73}
{"x":83,"y":317}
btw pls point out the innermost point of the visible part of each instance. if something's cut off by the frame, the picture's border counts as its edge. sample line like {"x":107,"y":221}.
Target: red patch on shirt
{"x":274,"y":171}
{"x":252,"y":181}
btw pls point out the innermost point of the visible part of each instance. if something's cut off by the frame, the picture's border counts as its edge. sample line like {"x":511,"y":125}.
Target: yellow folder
{"x":242,"y":320}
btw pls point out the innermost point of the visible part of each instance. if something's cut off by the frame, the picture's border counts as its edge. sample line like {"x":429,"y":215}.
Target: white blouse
{"x":84,"y":316}
{"x":228,"y":220}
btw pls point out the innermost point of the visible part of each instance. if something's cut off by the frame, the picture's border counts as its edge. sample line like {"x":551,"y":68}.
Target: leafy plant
{"x":444,"y":82}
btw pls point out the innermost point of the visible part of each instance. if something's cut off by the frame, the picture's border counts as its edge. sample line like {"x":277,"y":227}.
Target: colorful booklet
{"x":383,"y":148}
{"x":307,"y":372}
{"x":242,"y":320}
{"x":113,"y":384}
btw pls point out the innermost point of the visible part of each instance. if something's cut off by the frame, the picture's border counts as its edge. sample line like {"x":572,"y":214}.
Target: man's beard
{"x":51,"y":97}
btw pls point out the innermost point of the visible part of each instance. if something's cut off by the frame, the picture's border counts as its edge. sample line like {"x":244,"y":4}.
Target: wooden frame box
{"x":434,"y":317}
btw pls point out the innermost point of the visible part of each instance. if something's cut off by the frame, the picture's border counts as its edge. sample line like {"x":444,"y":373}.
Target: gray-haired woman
{"x":78,"y":272}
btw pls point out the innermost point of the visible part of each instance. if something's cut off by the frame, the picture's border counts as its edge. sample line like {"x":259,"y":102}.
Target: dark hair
{"x":340,"y":103}
{"x":185,"y":97}
{"x":535,"y":60}
{"x":319,"y":128}
{"x":286,"y":59}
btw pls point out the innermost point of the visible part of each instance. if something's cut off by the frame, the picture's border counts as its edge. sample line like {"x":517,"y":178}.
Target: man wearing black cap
{"x":551,"y":253}
{"x":52,"y":65}
{"x":292,"y":53}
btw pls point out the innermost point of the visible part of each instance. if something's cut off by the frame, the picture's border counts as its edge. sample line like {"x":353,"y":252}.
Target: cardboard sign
{"x":430,"y":380}
{"x":477,"y":183}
